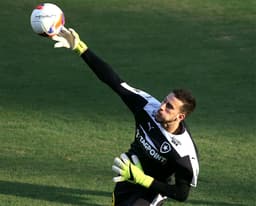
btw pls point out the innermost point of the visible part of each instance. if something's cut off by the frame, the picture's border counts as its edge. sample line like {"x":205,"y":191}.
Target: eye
{"x":169,"y":105}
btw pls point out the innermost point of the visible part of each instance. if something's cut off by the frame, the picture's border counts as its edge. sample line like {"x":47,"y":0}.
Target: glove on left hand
{"x":128,"y":171}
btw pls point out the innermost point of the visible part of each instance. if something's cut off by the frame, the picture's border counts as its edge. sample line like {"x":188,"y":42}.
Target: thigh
{"x":141,"y":202}
{"x":126,"y":194}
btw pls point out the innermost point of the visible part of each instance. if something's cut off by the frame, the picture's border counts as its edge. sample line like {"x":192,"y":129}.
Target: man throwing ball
{"x":162,"y":161}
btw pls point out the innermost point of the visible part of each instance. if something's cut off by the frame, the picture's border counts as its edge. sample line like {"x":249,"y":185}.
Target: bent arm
{"x":179,"y":191}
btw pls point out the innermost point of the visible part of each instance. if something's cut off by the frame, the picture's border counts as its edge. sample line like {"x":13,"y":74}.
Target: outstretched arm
{"x":102,"y":70}
{"x":70,"y":39}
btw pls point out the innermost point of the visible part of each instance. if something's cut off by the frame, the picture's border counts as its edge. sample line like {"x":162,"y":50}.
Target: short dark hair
{"x":189,"y":102}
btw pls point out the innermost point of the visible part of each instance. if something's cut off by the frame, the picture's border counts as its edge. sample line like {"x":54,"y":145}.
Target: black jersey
{"x":161,"y":153}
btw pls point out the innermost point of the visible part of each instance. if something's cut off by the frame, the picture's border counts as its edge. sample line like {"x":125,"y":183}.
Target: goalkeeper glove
{"x":129,"y":171}
{"x":70,"y":39}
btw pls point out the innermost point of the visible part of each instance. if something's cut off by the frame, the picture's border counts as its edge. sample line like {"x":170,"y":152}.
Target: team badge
{"x":165,"y":147}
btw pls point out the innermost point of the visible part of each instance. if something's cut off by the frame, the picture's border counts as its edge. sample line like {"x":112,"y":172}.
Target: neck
{"x":174,"y":128}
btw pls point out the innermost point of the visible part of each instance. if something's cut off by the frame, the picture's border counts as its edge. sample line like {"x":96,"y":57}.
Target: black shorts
{"x":126,"y":194}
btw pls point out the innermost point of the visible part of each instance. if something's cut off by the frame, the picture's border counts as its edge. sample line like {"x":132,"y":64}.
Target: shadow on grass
{"x":203,"y":202}
{"x":50,"y":193}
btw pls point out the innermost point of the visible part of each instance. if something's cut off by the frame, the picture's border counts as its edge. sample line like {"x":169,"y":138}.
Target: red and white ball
{"x":47,"y":19}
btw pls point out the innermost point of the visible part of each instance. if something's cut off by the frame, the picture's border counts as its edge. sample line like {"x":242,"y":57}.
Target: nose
{"x":162,"y":106}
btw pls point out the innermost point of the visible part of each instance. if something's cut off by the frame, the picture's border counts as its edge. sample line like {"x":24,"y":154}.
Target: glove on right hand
{"x":70,"y":39}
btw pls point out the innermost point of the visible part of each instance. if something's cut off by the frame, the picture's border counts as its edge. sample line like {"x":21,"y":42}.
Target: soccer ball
{"x":47,"y":19}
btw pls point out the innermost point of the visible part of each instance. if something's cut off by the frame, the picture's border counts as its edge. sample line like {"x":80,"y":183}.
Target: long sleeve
{"x":179,"y":191}
{"x":103,"y":71}
{"x":106,"y":74}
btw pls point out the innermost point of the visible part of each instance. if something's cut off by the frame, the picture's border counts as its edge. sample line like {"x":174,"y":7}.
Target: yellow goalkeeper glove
{"x":132,"y":172}
{"x":70,"y":39}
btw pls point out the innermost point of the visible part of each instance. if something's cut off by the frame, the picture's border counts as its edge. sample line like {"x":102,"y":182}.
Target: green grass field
{"x":60,"y":127}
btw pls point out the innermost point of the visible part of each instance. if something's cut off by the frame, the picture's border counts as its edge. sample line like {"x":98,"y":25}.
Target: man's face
{"x":169,"y":111}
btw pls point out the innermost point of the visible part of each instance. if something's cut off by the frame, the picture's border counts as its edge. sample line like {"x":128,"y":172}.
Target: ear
{"x":181,"y":116}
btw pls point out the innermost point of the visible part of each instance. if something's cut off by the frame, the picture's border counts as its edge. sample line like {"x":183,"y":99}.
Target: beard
{"x":160,"y":119}
{"x":158,"y":116}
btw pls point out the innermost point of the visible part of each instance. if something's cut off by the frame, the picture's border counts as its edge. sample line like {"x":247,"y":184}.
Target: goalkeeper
{"x":162,"y":160}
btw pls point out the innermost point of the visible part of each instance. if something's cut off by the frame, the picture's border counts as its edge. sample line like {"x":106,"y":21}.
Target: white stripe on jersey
{"x":182,"y":143}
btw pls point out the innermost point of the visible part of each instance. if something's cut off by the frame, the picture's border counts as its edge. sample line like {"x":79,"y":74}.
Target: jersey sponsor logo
{"x":175,"y":141}
{"x":165,"y":147}
{"x":149,"y":149}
